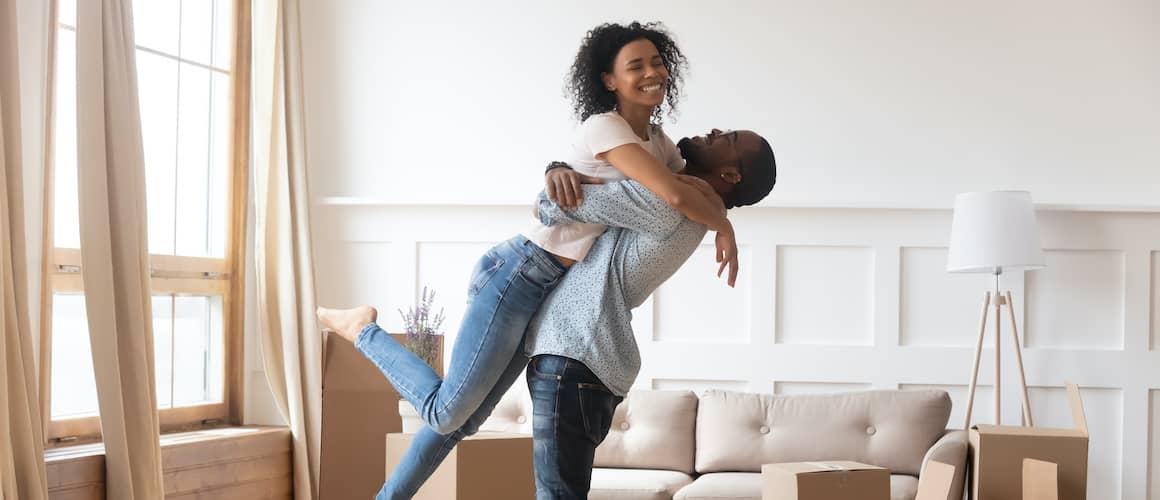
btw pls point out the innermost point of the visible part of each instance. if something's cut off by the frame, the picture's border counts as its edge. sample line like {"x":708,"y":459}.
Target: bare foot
{"x":348,"y":323}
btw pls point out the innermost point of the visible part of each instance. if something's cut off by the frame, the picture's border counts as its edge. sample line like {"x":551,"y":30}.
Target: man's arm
{"x":625,"y":204}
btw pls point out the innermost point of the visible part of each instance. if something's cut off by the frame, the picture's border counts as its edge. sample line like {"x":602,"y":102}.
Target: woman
{"x":621,"y":77}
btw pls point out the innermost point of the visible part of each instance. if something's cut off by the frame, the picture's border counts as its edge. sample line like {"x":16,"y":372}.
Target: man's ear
{"x":732,"y":175}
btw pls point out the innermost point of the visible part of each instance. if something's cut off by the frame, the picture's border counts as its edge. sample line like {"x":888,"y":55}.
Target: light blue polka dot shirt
{"x":588,"y":316}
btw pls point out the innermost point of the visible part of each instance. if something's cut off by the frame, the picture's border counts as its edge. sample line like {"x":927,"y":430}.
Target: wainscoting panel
{"x":788,"y":388}
{"x":699,"y":385}
{"x":1077,"y":302}
{"x":697,"y":306}
{"x":843,"y":299}
{"x":814,"y":279}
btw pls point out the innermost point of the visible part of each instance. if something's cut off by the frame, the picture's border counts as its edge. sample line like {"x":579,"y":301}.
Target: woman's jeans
{"x":572,"y":413}
{"x":507,"y":287}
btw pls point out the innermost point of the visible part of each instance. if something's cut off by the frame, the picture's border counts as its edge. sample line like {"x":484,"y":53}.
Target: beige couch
{"x":676,"y":445}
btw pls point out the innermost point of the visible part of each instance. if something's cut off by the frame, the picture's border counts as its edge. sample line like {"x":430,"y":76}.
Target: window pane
{"x":197,"y":30}
{"x":223,"y":33}
{"x":155,"y":24}
{"x":157,"y":90}
{"x":66,"y":230}
{"x":74,"y":387}
{"x":67,"y":12}
{"x":197,"y":350}
{"x":163,"y":349}
{"x":193,"y":161}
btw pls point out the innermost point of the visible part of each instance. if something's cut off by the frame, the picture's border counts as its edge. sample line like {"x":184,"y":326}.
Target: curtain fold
{"x":291,"y":343}
{"x":114,"y":253}
{"x":22,"y":474}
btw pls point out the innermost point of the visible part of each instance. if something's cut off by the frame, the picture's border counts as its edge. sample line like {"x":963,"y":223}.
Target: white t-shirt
{"x":597,"y":135}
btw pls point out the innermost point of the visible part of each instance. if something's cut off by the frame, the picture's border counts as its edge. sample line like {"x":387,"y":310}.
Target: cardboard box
{"x":486,"y":466}
{"x":935,"y":482}
{"x":359,"y":406}
{"x":998,"y":452}
{"x":1040,"y":480}
{"x":824,"y":481}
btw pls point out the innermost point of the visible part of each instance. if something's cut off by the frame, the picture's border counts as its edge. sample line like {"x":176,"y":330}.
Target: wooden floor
{"x":248,"y":463}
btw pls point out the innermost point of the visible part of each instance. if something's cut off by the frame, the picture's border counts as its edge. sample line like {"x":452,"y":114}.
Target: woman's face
{"x":639,"y":76}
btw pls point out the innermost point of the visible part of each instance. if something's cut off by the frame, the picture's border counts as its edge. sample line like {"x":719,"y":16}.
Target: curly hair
{"x":598,"y":51}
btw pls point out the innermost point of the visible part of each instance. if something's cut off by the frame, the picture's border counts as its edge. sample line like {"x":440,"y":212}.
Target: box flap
{"x":1078,"y":419}
{"x":935,"y":481}
{"x":1016,"y":430}
{"x":344,"y":368}
{"x":817,"y":467}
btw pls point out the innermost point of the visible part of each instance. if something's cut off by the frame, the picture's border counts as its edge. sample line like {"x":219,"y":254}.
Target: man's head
{"x":738,"y":164}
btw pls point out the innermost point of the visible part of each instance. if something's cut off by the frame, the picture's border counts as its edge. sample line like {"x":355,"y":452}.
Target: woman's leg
{"x":428,"y":448}
{"x":510,"y":283}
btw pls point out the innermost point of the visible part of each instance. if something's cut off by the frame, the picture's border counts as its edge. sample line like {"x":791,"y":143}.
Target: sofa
{"x":682,"y":446}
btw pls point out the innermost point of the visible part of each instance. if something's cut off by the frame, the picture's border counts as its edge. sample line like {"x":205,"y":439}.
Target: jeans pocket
{"x":539,"y":274}
{"x":484,"y":270}
{"x":597,"y":407}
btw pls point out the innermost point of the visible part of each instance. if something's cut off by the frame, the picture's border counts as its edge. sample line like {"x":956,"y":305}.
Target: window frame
{"x":169,"y":274}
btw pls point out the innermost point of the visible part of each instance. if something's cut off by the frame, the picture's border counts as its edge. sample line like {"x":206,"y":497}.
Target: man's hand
{"x":564,"y":187}
{"x":705,"y":189}
{"x":727,"y":254}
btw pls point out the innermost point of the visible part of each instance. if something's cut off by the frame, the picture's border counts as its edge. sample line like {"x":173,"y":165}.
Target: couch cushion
{"x":747,"y":486}
{"x":636,"y":484}
{"x":652,"y":430}
{"x":738,"y":432}
{"x":723,"y":485}
{"x":903,"y":487}
{"x":513,"y":413}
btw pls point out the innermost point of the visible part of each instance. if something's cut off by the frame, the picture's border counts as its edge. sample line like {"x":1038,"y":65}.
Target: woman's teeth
{"x":650,"y":88}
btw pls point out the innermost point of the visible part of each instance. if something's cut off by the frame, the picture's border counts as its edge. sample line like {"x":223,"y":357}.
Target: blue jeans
{"x":508,"y":285}
{"x":571,"y":414}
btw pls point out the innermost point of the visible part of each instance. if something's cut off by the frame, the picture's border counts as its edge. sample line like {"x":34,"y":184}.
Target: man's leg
{"x":572,"y":412}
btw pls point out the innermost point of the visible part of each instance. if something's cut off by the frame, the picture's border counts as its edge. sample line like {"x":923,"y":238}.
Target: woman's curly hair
{"x":596,"y":55}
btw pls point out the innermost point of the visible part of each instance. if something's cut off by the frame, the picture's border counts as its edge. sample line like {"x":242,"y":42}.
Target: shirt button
{"x":871,"y":430}
{"x":624,"y":426}
{"x":521,"y":419}
{"x":763,"y":430}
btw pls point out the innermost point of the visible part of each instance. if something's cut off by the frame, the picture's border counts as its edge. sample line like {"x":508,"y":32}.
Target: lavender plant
{"x":422,"y":327}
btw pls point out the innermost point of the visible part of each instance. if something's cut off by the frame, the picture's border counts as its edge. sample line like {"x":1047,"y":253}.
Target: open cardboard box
{"x":824,"y":481}
{"x":484,"y":466}
{"x":359,"y":406}
{"x":998,"y":453}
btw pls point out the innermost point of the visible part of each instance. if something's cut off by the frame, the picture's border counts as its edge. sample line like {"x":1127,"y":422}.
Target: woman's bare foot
{"x":348,"y":323}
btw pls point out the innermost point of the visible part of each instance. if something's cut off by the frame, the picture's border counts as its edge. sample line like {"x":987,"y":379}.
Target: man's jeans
{"x":507,"y":287}
{"x":572,"y":412}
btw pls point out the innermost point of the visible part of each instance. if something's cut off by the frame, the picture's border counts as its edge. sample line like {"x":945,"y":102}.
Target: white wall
{"x":417,"y":110}
{"x":882,"y":103}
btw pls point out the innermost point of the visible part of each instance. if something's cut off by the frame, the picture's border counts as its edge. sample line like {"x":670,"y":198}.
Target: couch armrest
{"x":950,"y":449}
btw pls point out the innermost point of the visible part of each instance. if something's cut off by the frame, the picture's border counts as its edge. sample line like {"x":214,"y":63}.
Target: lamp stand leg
{"x":1019,"y":358}
{"x":978,"y":355}
{"x":998,"y":364}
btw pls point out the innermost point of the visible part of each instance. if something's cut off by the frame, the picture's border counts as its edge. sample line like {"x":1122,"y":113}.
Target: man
{"x":584,"y":353}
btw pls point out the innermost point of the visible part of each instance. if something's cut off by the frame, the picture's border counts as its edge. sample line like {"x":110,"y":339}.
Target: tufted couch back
{"x":738,"y":432}
{"x":652,"y":430}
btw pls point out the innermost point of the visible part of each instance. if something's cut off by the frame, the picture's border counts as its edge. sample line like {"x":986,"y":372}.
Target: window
{"x":192,"y":84}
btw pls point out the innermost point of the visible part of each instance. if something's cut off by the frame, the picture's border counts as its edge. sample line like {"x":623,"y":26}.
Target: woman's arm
{"x":637,"y":164}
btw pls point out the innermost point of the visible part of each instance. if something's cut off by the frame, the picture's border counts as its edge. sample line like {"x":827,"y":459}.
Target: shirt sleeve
{"x":625,"y":204}
{"x":672,"y":154}
{"x":604,"y":132}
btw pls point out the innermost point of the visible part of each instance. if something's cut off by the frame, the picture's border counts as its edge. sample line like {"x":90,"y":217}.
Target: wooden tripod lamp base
{"x":998,"y":300}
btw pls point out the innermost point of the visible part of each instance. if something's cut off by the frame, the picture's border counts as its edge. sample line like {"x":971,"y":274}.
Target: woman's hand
{"x":564,"y":187}
{"x":727,"y":254}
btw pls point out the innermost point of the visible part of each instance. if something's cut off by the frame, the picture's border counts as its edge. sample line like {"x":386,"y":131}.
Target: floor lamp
{"x":993,"y":232}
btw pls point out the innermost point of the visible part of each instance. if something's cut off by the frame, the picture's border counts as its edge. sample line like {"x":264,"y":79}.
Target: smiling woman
{"x":191,"y":93}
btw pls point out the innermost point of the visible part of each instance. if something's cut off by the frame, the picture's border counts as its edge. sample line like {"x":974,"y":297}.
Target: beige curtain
{"x":114,"y":254}
{"x":21,"y":435}
{"x":291,"y":343}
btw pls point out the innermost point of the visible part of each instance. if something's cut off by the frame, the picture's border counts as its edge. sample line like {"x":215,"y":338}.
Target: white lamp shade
{"x":992,"y":232}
